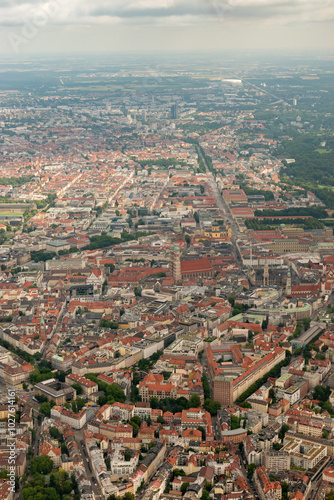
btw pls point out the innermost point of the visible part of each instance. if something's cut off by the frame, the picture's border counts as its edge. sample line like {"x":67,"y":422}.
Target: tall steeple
{"x":175,"y":264}
{"x":266,"y":274}
{"x":42,"y":327}
{"x":251,"y":275}
{"x":288,"y":283}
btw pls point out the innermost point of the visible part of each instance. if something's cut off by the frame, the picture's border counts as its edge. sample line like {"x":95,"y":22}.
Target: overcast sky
{"x":72,"y":26}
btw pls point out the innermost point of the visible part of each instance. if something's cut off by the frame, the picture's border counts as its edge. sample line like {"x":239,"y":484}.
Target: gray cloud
{"x":94,"y":12}
{"x":67,"y":26}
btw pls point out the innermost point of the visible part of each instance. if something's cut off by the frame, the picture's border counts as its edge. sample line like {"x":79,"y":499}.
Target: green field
{"x":323,"y":151}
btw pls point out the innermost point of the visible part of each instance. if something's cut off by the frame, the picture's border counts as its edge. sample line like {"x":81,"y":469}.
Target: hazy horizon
{"x":52,"y":27}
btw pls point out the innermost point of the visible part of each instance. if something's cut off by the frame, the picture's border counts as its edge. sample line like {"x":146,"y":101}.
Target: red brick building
{"x":235,"y":196}
{"x":196,"y":268}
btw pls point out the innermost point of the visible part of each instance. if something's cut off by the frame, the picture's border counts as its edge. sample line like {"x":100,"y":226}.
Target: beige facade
{"x":257,"y":373}
{"x":276,"y":460}
{"x":87,"y":386}
{"x":304,"y":454}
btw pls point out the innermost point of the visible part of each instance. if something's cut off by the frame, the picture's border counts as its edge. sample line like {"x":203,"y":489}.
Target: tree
{"x":277,"y":446}
{"x":45,"y":408}
{"x":64,"y":449}
{"x":321,"y":393}
{"x":235,"y":422}
{"x":206,"y":386}
{"x":283,"y":431}
{"x":326,"y":406}
{"x":127,"y":456}
{"x":212,"y":406}
{"x":154,"y":403}
{"x":208,"y":486}
{"x":184,"y":488}
{"x":54,"y":433}
{"x":40,"y":492}
{"x":205,"y":495}
{"x":136,"y":419}
{"x":78,"y":404}
{"x":245,"y":404}
{"x":39,"y":375}
{"x":325,"y":434}
{"x":168,"y":488}
{"x":67,"y":487}
{"x":264,"y":324}
{"x":231,"y":300}
{"x":129,"y":496}
{"x":135,"y":428}
{"x":166,"y":374}
{"x":194,"y":401}
{"x":41,"y":464}
{"x":285,"y":489}
{"x":178,"y":472}
{"x":78,"y":388}
{"x":104,"y":323}
{"x":250,"y":470}
{"x":202,"y":430}
{"x":306,"y":322}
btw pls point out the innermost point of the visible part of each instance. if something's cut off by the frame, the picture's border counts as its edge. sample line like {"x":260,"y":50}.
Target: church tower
{"x":175,"y":264}
{"x":266,"y":274}
{"x":42,"y":328}
{"x":288,"y":284}
{"x":251,"y":275}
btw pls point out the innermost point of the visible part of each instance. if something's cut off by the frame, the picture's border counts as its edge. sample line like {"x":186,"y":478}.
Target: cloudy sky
{"x":72,"y":26}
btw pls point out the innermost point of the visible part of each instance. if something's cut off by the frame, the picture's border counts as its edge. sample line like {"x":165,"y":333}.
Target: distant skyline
{"x":87,"y":26}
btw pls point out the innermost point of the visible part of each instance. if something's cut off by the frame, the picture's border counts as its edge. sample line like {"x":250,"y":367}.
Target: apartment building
{"x":75,"y":420}
{"x":266,"y":489}
{"x":122,"y":411}
{"x":304,"y":454}
{"x":121,"y":466}
{"x":88,"y":386}
{"x":276,"y":460}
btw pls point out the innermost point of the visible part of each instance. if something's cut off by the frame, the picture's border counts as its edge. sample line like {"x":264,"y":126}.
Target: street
{"x":79,"y":436}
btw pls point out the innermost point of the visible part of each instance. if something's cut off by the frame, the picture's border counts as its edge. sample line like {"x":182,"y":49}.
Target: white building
{"x":75,"y":420}
{"x":122,"y":410}
{"x":119,"y":466}
{"x":303,"y":453}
